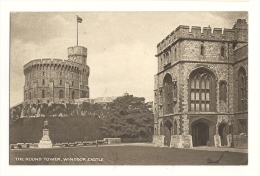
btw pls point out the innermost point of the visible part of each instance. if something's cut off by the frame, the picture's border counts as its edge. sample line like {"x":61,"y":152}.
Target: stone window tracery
{"x":242,"y":90}
{"x":169,"y":87}
{"x":202,"y":91}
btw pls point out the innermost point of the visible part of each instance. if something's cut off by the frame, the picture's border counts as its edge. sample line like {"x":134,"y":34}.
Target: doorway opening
{"x":167,"y":132}
{"x":223,"y":131}
{"x":200,"y":134}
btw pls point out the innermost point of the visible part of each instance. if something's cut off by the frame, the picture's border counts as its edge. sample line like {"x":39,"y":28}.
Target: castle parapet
{"x":196,"y":31}
{"x":185,"y":32}
{"x":55,"y":62}
{"x":217,"y":32}
{"x":46,"y":61}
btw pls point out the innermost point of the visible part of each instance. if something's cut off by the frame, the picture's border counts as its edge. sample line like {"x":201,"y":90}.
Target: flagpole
{"x":77,"y":30}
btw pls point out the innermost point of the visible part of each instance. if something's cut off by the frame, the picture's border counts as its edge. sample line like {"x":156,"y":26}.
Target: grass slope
{"x":62,"y":129}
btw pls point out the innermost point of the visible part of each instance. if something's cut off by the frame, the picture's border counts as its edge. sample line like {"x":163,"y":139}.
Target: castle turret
{"x":241,"y":30}
{"x":78,"y":54}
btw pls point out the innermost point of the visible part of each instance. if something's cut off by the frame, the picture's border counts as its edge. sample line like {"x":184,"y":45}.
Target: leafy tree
{"x":127,"y":117}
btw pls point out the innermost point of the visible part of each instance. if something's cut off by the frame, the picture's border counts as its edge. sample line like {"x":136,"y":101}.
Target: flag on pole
{"x":79,"y":20}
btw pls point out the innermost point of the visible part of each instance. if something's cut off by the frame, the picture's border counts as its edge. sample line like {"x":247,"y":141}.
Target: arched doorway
{"x":223,"y":132}
{"x":200,"y":133}
{"x":167,"y":132}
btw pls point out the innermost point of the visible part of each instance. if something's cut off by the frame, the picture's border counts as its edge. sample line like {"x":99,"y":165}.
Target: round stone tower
{"x":78,"y":54}
{"x":57,"y":80}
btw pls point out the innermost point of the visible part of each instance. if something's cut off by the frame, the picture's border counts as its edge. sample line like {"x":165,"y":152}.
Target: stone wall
{"x":238,"y":32}
{"x":112,"y":140}
{"x":179,"y":54}
{"x":191,"y":50}
{"x":241,"y":53}
{"x":217,"y":140}
{"x":181,"y":141}
{"x":240,"y":141}
{"x":158,"y":140}
{"x":237,"y":66}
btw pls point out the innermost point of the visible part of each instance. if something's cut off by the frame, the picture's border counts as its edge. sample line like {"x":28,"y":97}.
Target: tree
{"x":128,"y":117}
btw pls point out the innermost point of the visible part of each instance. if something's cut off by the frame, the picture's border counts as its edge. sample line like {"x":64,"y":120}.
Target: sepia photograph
{"x":129,"y":88}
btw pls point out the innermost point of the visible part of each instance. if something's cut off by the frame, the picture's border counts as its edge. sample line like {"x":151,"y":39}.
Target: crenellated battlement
{"x":205,"y":33}
{"x":48,"y":62}
{"x":196,"y":32}
{"x":57,"y":80}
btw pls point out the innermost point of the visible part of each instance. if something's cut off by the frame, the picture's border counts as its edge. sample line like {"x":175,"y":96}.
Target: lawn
{"x":62,"y":129}
{"x":122,"y":155}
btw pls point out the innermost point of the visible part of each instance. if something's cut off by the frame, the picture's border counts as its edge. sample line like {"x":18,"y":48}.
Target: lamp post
{"x":97,"y":140}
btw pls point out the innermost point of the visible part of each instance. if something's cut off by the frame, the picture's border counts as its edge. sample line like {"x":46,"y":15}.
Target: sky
{"x":121,"y":45}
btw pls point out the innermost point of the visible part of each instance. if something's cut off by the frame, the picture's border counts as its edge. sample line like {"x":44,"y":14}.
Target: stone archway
{"x":202,"y":133}
{"x":223,"y":131}
{"x":167,"y":132}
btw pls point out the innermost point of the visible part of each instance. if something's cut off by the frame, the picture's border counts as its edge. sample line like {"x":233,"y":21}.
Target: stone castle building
{"x":200,"y":90}
{"x":57,"y":80}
